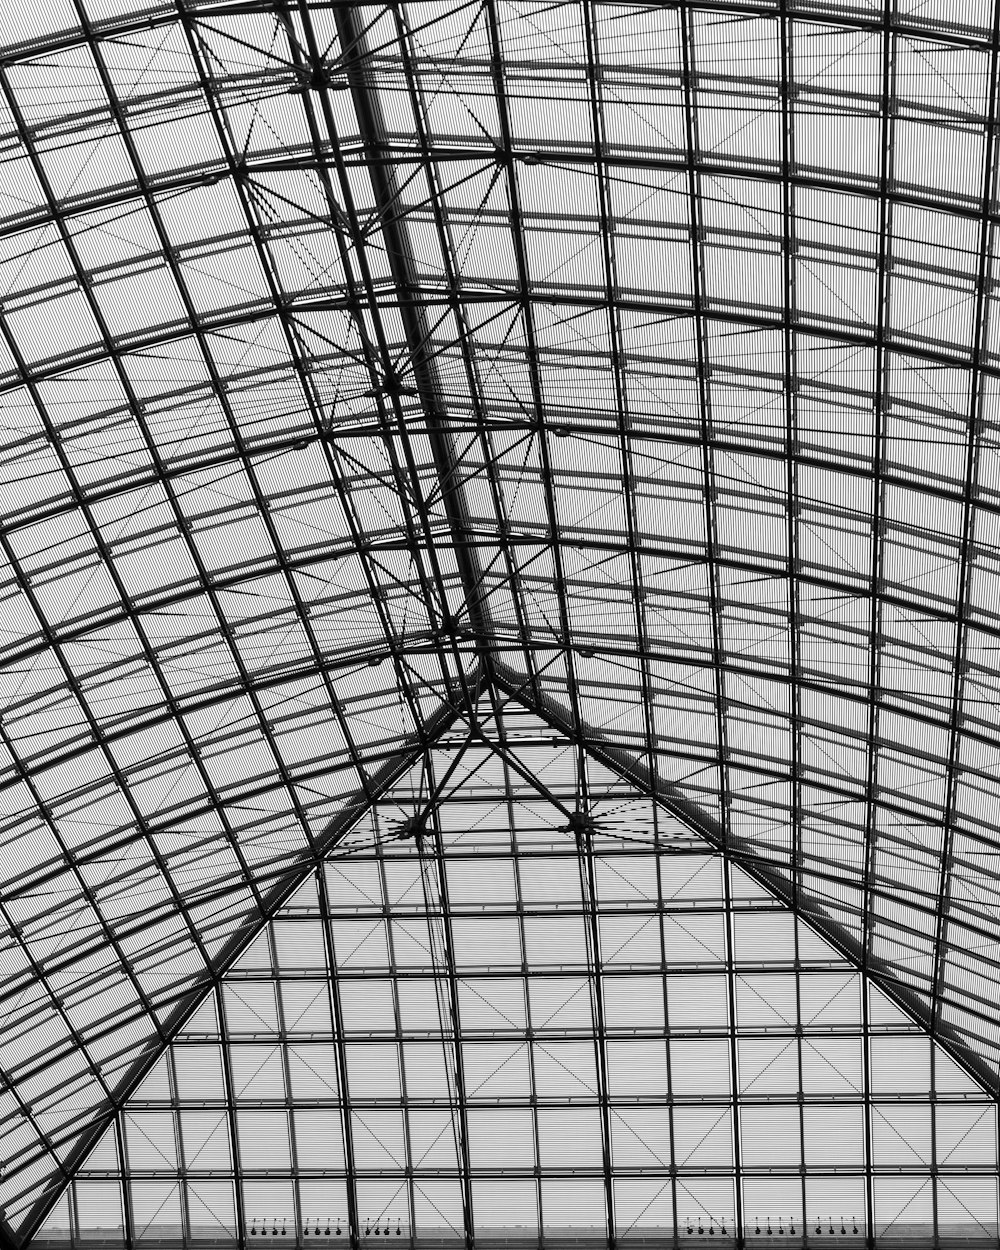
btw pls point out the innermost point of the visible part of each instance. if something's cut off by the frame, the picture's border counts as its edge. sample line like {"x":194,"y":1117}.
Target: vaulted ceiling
{"x":370,"y":373}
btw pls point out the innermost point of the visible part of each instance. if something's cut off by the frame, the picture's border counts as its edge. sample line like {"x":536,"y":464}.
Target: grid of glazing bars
{"x":633,"y":362}
{"x":649,"y":1045}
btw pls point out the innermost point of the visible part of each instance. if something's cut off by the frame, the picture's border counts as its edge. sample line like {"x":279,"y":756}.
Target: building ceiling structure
{"x":377,"y":378}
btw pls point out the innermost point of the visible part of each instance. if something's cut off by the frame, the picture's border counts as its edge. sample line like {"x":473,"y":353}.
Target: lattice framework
{"x":631,"y":363}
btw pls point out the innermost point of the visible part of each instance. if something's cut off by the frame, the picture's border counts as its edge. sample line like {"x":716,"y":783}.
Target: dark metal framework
{"x":377,"y":379}
{"x":490,"y":1021}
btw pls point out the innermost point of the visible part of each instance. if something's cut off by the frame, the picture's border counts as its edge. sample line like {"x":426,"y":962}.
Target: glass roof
{"x":364,"y":368}
{"x":500,"y":1004}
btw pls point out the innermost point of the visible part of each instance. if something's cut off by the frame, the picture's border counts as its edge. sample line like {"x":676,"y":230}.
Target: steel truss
{"x":349,"y":397}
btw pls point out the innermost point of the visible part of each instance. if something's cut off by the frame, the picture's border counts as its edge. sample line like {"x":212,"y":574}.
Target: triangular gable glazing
{"x":518,"y":1023}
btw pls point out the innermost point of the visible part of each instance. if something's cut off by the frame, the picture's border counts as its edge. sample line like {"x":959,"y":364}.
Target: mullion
{"x":339,"y":1043}
{"x":589,"y":908}
{"x":957,"y":729}
{"x":880,"y":394}
{"x":517,"y":226}
{"x":517,"y":856}
{"x":400,"y":1035}
{"x":687,"y":29}
{"x":618,"y":356}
